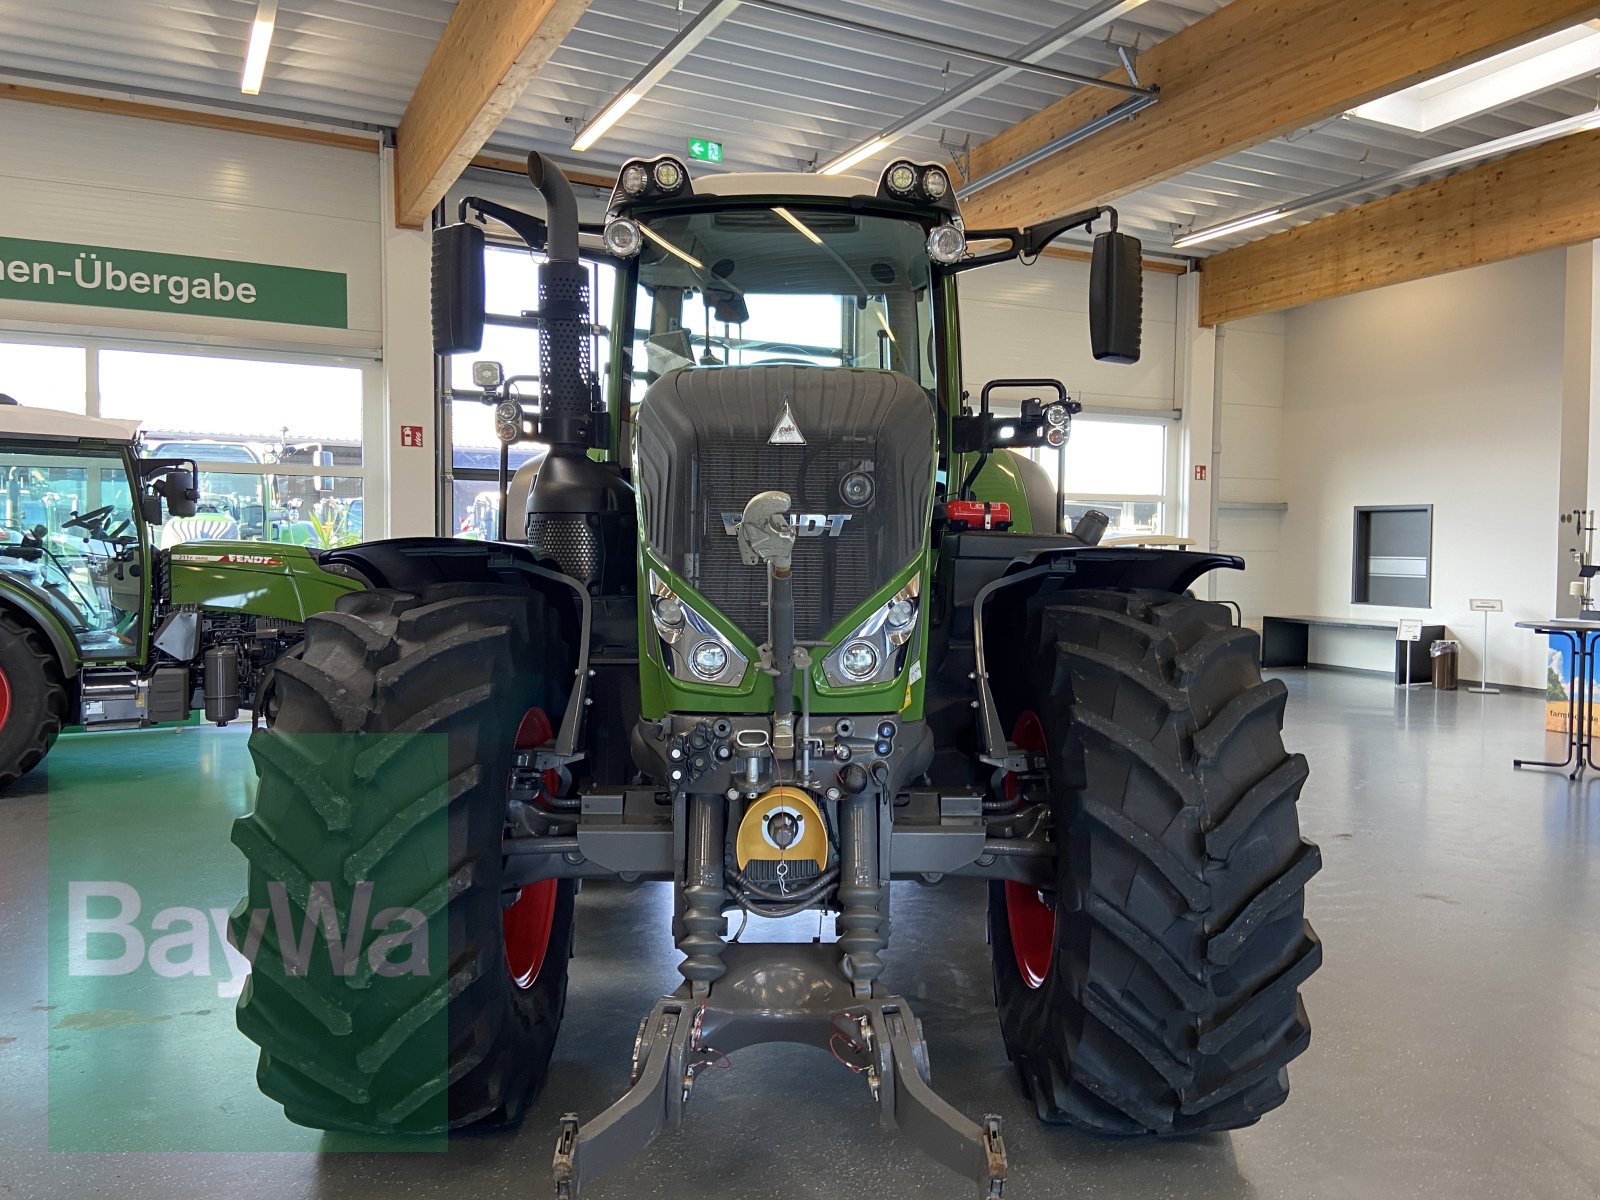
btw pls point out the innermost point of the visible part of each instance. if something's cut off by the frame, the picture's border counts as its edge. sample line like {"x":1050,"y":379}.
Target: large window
{"x":510,"y":339}
{"x":1117,"y":465}
{"x":277,"y":439}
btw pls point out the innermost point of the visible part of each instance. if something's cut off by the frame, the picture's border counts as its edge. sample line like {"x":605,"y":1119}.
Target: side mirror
{"x":179,"y":492}
{"x":1116,"y":298}
{"x":458,"y":289}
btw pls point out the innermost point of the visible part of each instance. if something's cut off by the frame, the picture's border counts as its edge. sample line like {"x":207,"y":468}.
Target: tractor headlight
{"x":709,"y":660}
{"x":692,"y":648}
{"x":859,"y":660}
{"x":901,"y":178}
{"x":669,"y":175}
{"x":622,"y":238}
{"x":935,"y":183}
{"x":946,"y":244}
{"x":876,"y":649}
{"x":634,"y":179}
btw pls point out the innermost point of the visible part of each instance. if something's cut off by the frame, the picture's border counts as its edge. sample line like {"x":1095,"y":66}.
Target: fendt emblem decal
{"x":787,"y":431}
{"x":805,"y":524}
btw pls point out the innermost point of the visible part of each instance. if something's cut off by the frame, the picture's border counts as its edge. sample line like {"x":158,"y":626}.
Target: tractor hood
{"x":854,"y":449}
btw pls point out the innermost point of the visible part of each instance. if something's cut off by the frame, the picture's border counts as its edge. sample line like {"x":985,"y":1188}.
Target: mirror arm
{"x":1036,"y":237}
{"x":531,"y":229}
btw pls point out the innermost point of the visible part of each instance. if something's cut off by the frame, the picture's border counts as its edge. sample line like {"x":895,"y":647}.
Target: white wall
{"x":1446,"y":391}
{"x":1249,"y":466}
{"x":1033,"y":322}
{"x":126,"y":182}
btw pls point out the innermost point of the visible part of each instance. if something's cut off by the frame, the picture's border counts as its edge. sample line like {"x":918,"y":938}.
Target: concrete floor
{"x":1457,"y":1019}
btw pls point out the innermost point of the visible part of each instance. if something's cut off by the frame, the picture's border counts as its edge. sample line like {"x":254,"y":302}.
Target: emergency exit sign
{"x":705,"y":149}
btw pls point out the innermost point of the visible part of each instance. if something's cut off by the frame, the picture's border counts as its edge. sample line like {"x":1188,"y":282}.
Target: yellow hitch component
{"x":756,"y":841}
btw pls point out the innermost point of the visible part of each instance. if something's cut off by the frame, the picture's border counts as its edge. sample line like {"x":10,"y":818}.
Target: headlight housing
{"x":692,"y":648}
{"x":875,"y":651}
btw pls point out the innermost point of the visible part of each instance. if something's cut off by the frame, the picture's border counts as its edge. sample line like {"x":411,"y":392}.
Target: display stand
{"x":1409,"y":631}
{"x":1486,"y":607}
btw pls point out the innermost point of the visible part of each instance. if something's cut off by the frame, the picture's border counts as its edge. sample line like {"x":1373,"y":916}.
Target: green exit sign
{"x":705,"y":150}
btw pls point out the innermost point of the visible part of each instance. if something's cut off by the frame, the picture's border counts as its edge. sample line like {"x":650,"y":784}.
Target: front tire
{"x":1155,"y":990}
{"x":387,"y":763}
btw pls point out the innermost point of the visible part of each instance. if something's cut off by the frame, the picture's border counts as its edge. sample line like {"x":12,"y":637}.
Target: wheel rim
{"x":5,"y":699}
{"x":528,"y":923}
{"x":1030,"y":916}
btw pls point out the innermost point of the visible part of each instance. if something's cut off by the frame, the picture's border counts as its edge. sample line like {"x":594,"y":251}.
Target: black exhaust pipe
{"x":580,"y":512}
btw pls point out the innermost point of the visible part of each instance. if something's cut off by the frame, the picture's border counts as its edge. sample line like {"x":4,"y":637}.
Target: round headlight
{"x":1056,"y":435}
{"x":900,"y":615}
{"x":634,"y":179}
{"x":859,"y":660}
{"x":901,"y":178}
{"x":508,"y":420}
{"x":935,"y":182}
{"x":709,"y":660}
{"x":1056,"y":414}
{"x":946,"y":244}
{"x":623,"y":238}
{"x":669,"y":175}
{"x":856,"y":488}
{"x":669,"y":611}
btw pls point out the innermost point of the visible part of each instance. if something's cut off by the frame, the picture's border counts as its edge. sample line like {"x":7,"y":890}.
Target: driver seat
{"x":202,"y":527}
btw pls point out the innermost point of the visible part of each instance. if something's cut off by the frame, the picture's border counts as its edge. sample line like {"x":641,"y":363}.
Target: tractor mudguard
{"x":25,"y":607}
{"x":264,"y":579}
{"x":412,"y":564}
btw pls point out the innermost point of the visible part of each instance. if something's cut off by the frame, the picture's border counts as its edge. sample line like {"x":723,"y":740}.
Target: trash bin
{"x":1446,"y":657}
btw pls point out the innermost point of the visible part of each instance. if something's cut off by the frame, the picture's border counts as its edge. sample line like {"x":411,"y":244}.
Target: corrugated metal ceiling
{"x":778,"y":91}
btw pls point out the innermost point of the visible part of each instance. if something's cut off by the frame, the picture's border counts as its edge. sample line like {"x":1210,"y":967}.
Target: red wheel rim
{"x":528,"y":923}
{"x":1030,"y":916}
{"x":5,"y":699}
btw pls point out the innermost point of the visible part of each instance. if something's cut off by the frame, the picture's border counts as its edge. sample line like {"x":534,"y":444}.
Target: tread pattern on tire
{"x":1172,"y":1002}
{"x":39,"y":699}
{"x":348,"y":795}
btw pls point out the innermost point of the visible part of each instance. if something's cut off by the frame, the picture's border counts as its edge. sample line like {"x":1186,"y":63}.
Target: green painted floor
{"x":1456,"y":1050}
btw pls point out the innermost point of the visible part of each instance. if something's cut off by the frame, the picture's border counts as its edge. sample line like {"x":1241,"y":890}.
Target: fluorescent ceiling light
{"x":798,"y":224}
{"x":255,"y":55}
{"x":673,"y":53}
{"x":608,"y":116}
{"x":670,"y":248}
{"x":1237,"y":225}
{"x":843,"y":163}
{"x":1538,"y":66}
{"x":1430,"y":166}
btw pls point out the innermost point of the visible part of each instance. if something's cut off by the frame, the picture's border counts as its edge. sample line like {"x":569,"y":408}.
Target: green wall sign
{"x":705,"y":149}
{"x":67,"y":273}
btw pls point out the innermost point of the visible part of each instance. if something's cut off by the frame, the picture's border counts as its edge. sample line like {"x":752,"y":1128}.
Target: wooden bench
{"x":1286,"y":642}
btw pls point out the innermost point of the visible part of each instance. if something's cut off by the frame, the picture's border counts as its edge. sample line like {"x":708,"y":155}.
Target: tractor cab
{"x":74,"y":503}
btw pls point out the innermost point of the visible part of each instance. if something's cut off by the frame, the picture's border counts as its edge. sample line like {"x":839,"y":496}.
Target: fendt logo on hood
{"x":805,"y":524}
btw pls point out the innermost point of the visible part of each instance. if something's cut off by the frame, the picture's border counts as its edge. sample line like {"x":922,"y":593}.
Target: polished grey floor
{"x":1456,"y":1050}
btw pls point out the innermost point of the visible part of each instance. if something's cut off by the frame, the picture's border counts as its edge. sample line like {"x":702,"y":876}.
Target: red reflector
{"x":977,"y":514}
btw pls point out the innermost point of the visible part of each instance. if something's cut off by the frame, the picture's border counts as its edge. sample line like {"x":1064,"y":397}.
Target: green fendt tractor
{"x":781,"y":627}
{"x":102,"y":628}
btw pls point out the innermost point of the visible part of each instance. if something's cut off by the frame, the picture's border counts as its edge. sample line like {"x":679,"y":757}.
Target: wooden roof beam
{"x":1537,"y":199}
{"x":489,"y":52}
{"x":1251,"y":71}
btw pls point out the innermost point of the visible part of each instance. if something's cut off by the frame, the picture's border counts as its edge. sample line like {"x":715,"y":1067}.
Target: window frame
{"x":1165,"y":499}
{"x":375,"y":517}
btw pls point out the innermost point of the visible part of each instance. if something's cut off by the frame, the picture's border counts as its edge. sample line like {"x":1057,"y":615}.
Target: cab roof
{"x":20,"y":420}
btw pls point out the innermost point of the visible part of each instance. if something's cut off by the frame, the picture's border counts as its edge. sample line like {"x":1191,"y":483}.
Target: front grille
{"x":832,"y":575}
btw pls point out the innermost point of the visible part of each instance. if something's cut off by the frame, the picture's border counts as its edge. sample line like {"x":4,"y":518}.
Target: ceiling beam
{"x":488,"y":54}
{"x":1537,"y":199}
{"x":116,"y":106}
{"x":1251,"y":71}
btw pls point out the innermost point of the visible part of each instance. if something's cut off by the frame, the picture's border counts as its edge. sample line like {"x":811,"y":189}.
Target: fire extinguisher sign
{"x":411,"y":435}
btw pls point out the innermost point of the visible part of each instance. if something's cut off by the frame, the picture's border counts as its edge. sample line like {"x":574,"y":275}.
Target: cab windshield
{"x":775,"y":284}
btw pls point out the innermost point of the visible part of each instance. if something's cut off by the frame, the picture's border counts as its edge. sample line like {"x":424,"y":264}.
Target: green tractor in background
{"x":99,"y":626}
{"x":780,"y":626}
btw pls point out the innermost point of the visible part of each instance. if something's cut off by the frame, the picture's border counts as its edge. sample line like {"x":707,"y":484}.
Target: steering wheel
{"x":89,"y":519}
